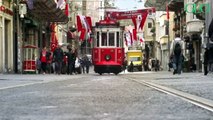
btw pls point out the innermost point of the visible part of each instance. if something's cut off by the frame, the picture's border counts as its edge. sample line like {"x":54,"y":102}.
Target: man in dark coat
{"x":58,"y":58}
{"x":71,"y":61}
{"x":210,"y":47}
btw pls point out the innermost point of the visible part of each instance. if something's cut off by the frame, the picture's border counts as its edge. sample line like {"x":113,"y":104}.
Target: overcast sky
{"x":128,"y":4}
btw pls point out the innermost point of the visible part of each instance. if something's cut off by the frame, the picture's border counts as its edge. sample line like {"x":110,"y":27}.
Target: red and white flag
{"x":84,"y":25}
{"x":66,"y":11}
{"x":60,"y":4}
{"x":138,"y":22}
{"x":128,"y":38}
{"x":141,"y":38}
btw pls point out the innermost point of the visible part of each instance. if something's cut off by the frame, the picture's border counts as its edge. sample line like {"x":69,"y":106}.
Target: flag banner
{"x":134,"y":34}
{"x":66,"y":11}
{"x":134,"y":22}
{"x":89,"y":22}
{"x":83,"y":21}
{"x":82,"y":35}
{"x":140,"y":37}
{"x":129,"y":14}
{"x":79,"y":25}
{"x":128,"y":39}
{"x":54,"y":40}
{"x":61,"y":4}
{"x":138,"y":22}
{"x":143,"y":21}
{"x":84,"y":25}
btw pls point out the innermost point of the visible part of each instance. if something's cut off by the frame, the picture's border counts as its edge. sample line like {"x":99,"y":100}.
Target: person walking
{"x":58,"y":58}
{"x":210,"y":47}
{"x":49,"y":61}
{"x":177,"y":52}
{"x":131,"y":66}
{"x":205,"y":62}
{"x":43,"y":59}
{"x":87,"y":63}
{"x":70,"y":61}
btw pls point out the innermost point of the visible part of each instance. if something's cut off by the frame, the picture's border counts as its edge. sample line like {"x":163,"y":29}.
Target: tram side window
{"x":117,"y":39}
{"x":97,"y":44}
{"x":103,"y":39}
{"x":111,"y":39}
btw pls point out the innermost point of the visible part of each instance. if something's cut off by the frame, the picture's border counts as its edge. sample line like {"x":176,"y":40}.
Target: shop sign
{"x":6,"y":10}
{"x":197,"y":8}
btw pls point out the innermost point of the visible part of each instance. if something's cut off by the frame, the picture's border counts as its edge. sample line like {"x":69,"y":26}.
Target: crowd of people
{"x":60,"y":62}
{"x":151,"y":64}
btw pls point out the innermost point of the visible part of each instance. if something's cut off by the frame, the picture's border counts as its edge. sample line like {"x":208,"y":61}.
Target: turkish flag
{"x":144,"y":16}
{"x":89,"y":21}
{"x":134,"y":32}
{"x":66,"y":9}
{"x":82,"y":35}
{"x":79,"y":24}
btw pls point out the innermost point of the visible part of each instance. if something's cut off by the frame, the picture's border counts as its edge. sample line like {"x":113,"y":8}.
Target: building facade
{"x":6,"y":37}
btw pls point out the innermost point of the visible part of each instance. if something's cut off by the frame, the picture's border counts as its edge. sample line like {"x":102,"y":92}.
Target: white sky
{"x":129,"y":4}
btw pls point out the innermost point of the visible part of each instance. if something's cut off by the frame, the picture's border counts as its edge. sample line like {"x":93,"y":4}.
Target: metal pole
{"x":19,"y":60}
{"x":168,"y":39}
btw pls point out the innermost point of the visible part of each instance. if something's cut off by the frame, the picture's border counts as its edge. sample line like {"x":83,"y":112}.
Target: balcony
{"x":194,"y":26}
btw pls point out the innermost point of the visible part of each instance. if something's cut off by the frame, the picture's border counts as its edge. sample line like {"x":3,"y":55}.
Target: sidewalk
{"x":16,"y":80}
{"x":194,"y":82}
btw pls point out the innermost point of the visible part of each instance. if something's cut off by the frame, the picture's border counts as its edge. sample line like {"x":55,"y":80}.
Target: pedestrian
{"x":58,"y":58}
{"x":87,"y":63}
{"x":205,"y":62}
{"x":131,"y":66}
{"x":74,"y":56}
{"x":49,"y":61}
{"x":210,"y":47}
{"x":177,"y":52}
{"x":38,"y":65}
{"x":70,"y":61}
{"x":43,"y":59}
{"x":170,"y":64}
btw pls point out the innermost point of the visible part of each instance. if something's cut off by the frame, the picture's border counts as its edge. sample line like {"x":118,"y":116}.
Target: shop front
{"x":36,"y":29}
{"x":6,"y":38}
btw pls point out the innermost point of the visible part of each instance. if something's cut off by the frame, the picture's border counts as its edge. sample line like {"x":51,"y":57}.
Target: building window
{"x":149,"y":25}
{"x":101,"y":4}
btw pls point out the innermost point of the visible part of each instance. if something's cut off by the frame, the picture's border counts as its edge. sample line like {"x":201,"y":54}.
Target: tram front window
{"x":97,"y":44}
{"x":118,"y":39}
{"x":103,"y":39}
{"x":111,"y":39}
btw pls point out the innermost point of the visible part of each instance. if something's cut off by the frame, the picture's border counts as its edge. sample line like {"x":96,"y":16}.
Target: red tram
{"x":108,"y":47}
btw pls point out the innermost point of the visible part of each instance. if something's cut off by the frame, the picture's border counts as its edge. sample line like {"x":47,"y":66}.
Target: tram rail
{"x":196,"y":100}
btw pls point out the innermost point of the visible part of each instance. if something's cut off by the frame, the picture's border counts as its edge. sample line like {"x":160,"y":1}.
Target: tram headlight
{"x":107,"y":57}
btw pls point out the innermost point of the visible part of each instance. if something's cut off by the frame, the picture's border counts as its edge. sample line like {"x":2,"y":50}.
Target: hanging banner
{"x":129,"y":14}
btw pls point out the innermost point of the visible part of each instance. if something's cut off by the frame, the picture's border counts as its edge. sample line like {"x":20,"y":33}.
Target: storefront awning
{"x":46,"y":10}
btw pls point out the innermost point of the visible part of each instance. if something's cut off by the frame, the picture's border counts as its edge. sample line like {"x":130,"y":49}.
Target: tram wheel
{"x":100,"y":73}
{"x":116,"y":73}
